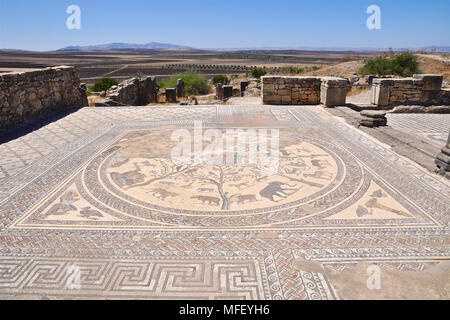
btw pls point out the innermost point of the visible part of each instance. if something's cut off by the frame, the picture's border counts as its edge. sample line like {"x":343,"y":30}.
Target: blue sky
{"x":41,"y":25}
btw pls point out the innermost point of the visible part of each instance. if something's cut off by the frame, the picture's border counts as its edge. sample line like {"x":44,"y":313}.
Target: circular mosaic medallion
{"x":138,"y":177}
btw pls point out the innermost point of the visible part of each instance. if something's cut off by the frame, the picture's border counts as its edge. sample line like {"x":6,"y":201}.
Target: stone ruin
{"x":219,"y":91}
{"x":171,"y":95}
{"x":421,"y":89}
{"x":386,"y":93}
{"x":227,"y":92}
{"x":181,"y":92}
{"x":333,"y":91}
{"x":132,"y":92}
{"x":26,"y":95}
{"x":244,"y":86}
{"x":291,"y":90}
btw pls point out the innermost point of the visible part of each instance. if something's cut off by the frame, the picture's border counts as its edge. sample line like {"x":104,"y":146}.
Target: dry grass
{"x":355,"y":91}
{"x":434,"y":66}
{"x":345,"y":69}
{"x":93,"y":99}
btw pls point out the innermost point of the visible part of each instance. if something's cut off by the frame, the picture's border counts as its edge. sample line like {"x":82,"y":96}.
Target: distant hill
{"x":443,"y":49}
{"x":124,"y":46}
{"x":438,"y":49}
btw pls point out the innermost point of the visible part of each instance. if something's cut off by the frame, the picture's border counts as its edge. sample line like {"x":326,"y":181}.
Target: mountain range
{"x":124,"y":46}
{"x":168,"y":46}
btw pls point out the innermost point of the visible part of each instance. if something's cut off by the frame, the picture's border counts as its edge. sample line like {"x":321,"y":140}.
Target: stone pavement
{"x":432,"y":127}
{"x":91,"y":206}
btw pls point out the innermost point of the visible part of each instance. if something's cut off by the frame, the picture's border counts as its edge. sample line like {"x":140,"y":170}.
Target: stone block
{"x":219,"y":91}
{"x":387,"y":82}
{"x":272,"y":99}
{"x":333,"y":91}
{"x":380,"y":95}
{"x":180,"y":88}
{"x":171,"y":95}
{"x":431,"y":82}
{"x":227,"y":92}
{"x":286,"y":99}
{"x":244,"y":85}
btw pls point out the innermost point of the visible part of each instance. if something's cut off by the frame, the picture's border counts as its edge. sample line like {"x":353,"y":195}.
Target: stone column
{"x":180,"y":88}
{"x":219,"y":91}
{"x":381,"y":91}
{"x":443,"y":160}
{"x":244,"y":85}
{"x":171,"y":95}
{"x":372,"y":118}
{"x":227,"y":92}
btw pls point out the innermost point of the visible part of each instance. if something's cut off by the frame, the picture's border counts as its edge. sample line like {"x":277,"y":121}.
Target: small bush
{"x":103,"y":85}
{"x":139,"y":75}
{"x":258,"y":73}
{"x":221,"y":79}
{"x":194,"y":82}
{"x":313,"y":68}
{"x":404,"y":64}
{"x":292,"y":70}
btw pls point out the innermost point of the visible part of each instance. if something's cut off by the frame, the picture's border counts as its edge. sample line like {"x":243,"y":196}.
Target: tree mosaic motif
{"x":304,"y":169}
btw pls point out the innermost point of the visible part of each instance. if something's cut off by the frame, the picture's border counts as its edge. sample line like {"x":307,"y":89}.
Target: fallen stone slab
{"x":107,"y":103}
{"x":422,"y":109}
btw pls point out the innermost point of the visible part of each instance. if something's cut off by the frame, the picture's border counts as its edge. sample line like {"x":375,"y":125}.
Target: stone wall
{"x":291,"y":90}
{"x":134,"y":92}
{"x":26,"y":95}
{"x":418,"y":90}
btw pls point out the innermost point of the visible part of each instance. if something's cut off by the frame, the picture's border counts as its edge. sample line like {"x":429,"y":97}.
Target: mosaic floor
{"x":93,"y":206}
{"x":432,"y":127}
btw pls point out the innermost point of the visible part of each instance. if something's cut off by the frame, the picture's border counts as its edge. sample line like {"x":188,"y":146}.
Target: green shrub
{"x":404,"y":64}
{"x":258,"y":73}
{"x":103,"y":85}
{"x":194,"y":82}
{"x":292,"y":70}
{"x":138,"y":75}
{"x":221,"y":79}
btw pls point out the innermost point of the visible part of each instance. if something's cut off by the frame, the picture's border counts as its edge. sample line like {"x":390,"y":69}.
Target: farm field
{"x":162,"y":63}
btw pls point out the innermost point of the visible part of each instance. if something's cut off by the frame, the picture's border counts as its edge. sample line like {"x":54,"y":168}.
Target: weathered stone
{"x":333,"y":91}
{"x":180,"y":88}
{"x":431,"y":82}
{"x":134,"y":92}
{"x":372,"y":122}
{"x":380,"y":94}
{"x":171,"y":95}
{"x":421,"y":89}
{"x":443,"y":160}
{"x":374,"y":114}
{"x":219,"y":91}
{"x":26,"y":95}
{"x":106,"y":103}
{"x":369,"y":79}
{"x":372,"y":118}
{"x":244,"y":85}
{"x":354,"y":78}
{"x":227,"y":92}
{"x":291,"y":90}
